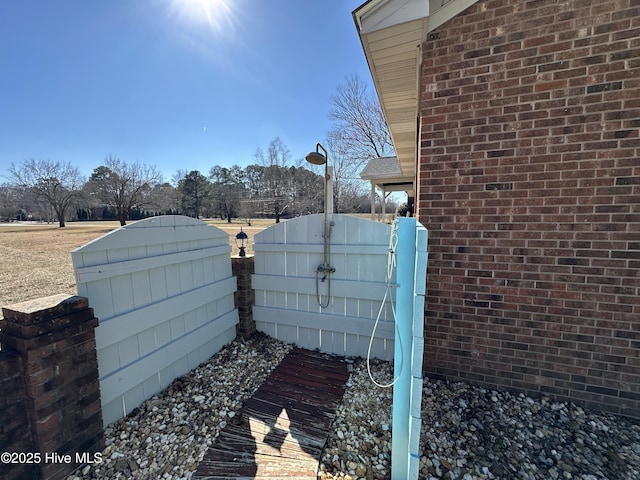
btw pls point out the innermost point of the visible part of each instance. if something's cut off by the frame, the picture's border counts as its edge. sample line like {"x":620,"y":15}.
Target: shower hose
{"x":388,"y":293}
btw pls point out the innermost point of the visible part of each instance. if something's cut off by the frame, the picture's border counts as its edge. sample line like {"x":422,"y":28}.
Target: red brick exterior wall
{"x":54,"y":392}
{"x":15,"y":436}
{"x":529,"y":184}
{"x":243,"y":268}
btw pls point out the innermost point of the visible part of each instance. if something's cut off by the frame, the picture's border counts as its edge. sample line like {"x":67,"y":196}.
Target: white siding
{"x":286,"y":307}
{"x":162,"y":290}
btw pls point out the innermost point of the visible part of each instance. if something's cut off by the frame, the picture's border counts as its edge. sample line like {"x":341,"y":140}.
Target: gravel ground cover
{"x":473,"y":433}
{"x":168,"y":434}
{"x":467,"y":432}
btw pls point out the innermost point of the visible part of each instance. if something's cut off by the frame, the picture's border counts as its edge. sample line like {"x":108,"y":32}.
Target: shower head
{"x":316,"y":158}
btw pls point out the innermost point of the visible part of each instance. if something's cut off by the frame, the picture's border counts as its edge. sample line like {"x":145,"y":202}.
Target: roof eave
{"x":392,"y":33}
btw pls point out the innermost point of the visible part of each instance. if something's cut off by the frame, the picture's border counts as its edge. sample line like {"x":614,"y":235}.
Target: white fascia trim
{"x":379,"y":14}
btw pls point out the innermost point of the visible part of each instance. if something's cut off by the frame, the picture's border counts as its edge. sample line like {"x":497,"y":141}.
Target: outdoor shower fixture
{"x":325,"y":268}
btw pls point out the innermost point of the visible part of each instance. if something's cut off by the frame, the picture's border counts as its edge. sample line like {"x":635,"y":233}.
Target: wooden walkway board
{"x":281,"y":430}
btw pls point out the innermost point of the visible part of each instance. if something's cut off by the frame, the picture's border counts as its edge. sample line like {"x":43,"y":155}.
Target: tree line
{"x":117,"y":190}
{"x":272,"y":186}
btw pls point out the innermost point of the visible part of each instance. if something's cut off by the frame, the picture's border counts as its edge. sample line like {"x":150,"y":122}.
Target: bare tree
{"x":228,"y":189}
{"x":178,"y":176}
{"x":57,"y":184}
{"x":275,"y":175}
{"x":164,"y":198}
{"x":278,"y":154}
{"x":8,"y":202}
{"x":124,"y":186}
{"x":360,"y":123}
{"x":359,"y":134}
{"x":347,"y":185}
{"x":307,"y":191}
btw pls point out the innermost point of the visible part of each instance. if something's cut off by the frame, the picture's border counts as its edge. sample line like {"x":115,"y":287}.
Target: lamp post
{"x":241,"y":242}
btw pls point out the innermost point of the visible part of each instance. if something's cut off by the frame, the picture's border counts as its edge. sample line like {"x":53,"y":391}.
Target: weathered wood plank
{"x":294,"y":392}
{"x":303,"y":368}
{"x":280,"y":432}
{"x":305,"y":383}
{"x":258,"y":467}
{"x":307,"y":430}
{"x":295,"y":411}
{"x":327,"y":363}
{"x":281,"y":444}
{"x":268,"y":440}
{"x":310,"y":371}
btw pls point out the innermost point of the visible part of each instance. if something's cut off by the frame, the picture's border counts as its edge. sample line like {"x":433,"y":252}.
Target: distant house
{"x":386,"y":175}
{"x":519,"y":123}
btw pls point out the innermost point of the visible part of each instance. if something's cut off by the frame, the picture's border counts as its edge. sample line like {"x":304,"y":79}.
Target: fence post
{"x":243,"y":268}
{"x":405,"y":274}
{"x":409,"y":344}
{"x":55,"y":338}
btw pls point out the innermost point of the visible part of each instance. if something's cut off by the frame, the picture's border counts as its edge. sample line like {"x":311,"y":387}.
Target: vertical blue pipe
{"x":406,"y":256}
{"x":420,"y":284}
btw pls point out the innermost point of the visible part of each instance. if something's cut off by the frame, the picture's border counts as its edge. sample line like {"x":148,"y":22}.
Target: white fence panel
{"x":162,"y":289}
{"x":287,"y":307}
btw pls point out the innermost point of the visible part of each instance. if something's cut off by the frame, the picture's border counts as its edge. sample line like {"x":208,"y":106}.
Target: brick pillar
{"x":15,"y":435}
{"x":243,"y":268}
{"x":55,"y":338}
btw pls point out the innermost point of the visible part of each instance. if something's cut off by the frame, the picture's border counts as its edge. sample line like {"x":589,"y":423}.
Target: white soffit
{"x":392,"y":32}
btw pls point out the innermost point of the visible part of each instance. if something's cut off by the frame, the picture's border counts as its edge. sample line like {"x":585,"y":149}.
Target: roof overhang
{"x":385,"y":173}
{"x":395,"y":185}
{"x":392,"y":33}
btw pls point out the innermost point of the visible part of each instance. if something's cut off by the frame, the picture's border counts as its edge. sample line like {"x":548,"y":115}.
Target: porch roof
{"x":392,"y":33}
{"x":386,"y":174}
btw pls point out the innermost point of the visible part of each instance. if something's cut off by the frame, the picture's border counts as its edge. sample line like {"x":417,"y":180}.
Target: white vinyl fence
{"x":162,"y":290}
{"x":286,"y":301}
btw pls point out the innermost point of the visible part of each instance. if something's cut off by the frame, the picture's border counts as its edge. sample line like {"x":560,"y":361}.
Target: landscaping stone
{"x":467,"y":432}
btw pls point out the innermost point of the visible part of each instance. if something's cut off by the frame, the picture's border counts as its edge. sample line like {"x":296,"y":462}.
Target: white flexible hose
{"x":391,"y":265}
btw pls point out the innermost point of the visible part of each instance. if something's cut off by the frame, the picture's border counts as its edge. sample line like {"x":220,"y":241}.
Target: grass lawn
{"x":233,"y":229}
{"x":36,"y":259}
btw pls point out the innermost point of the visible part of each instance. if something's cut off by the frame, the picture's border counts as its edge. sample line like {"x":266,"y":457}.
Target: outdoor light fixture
{"x":325,"y":268}
{"x":241,"y":242}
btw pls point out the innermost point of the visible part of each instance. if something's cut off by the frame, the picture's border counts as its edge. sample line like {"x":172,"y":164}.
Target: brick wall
{"x":15,"y":436}
{"x":54,"y":392}
{"x":243,"y":268}
{"x":529,"y":184}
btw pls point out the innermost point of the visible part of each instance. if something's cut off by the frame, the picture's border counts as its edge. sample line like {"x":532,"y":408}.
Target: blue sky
{"x":181,"y":84}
